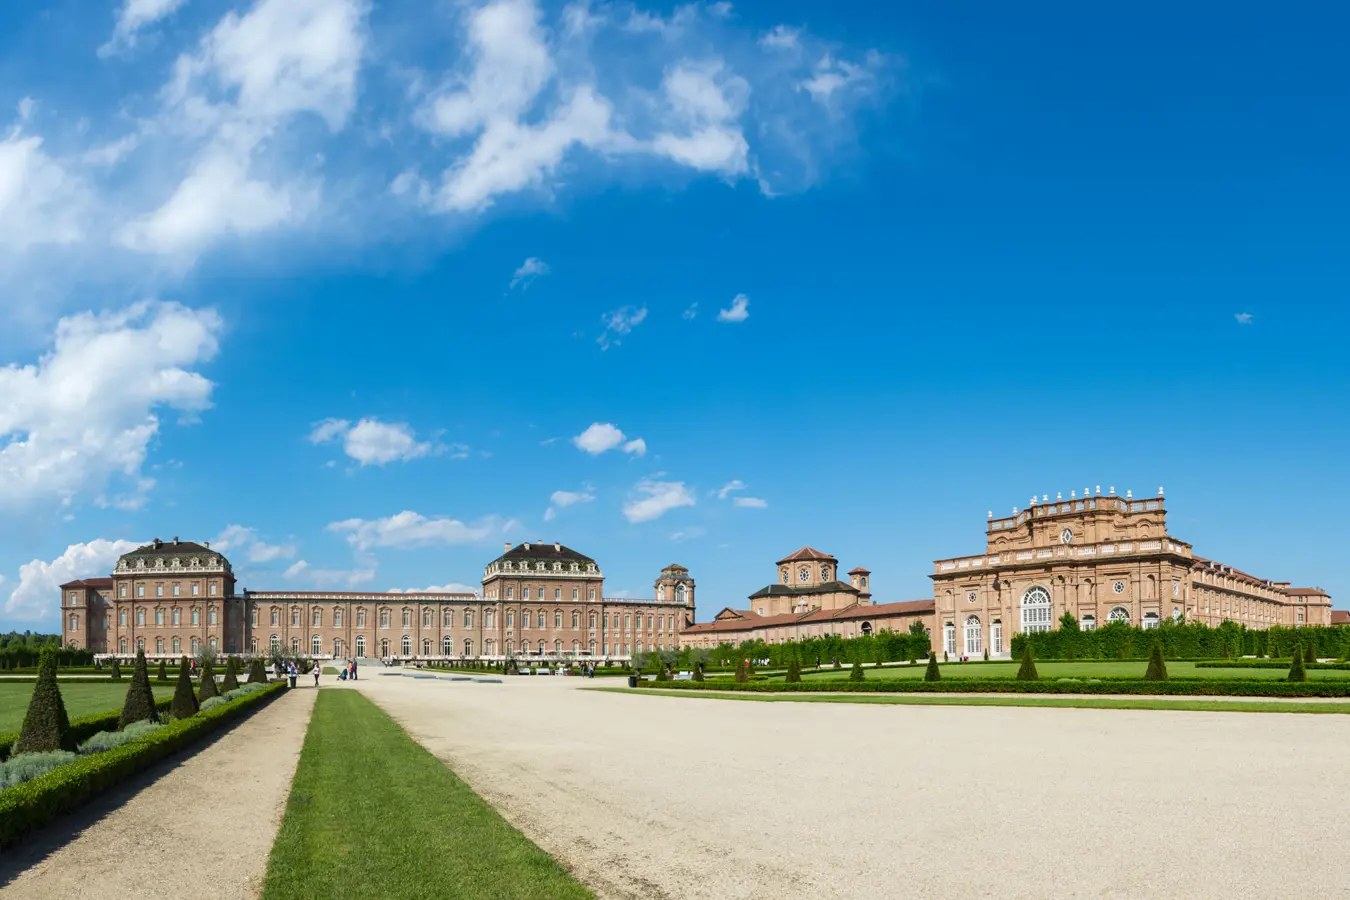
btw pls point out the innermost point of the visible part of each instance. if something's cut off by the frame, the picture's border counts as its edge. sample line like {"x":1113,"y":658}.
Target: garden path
{"x":194,"y":826}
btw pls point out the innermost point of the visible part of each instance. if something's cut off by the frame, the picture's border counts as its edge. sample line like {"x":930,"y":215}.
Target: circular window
{"x":1066,"y":536}
{"x":971,"y":596}
{"x":1118,"y":587}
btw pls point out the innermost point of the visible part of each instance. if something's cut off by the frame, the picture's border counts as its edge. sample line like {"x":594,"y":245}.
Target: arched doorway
{"x":867,"y":628}
{"x":974,"y":637}
{"x":1036,"y":610}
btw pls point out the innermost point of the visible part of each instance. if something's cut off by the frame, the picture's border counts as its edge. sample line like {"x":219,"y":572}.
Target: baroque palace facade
{"x":545,"y":600}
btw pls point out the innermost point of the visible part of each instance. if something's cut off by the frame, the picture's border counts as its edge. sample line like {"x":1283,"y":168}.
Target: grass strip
{"x":1258,"y":706}
{"x":373,"y":814}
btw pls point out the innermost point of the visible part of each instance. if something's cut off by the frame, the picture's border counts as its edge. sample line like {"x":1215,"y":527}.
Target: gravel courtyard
{"x":668,"y":797}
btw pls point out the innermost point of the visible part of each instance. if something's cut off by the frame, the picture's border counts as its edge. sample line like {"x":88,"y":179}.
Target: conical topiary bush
{"x":257,"y":673}
{"x":209,"y":688}
{"x":1296,"y":670}
{"x":231,"y":681}
{"x":742,"y":672}
{"x":45,"y":726}
{"x":856,"y":673}
{"x":794,"y":673}
{"x":184,"y":703}
{"x":163,"y":674}
{"x":932,"y":673}
{"x":698,"y":672}
{"x":1310,"y":651}
{"x":116,"y":671}
{"x":140,"y":702}
{"x":1157,"y":669}
{"x":1027,"y":671}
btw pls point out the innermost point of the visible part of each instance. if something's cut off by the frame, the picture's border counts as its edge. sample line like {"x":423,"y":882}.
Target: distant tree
{"x":1310,"y":653}
{"x":46,"y":726}
{"x":184,"y":704}
{"x":856,"y":673}
{"x":932,"y":673}
{"x":1027,"y":671}
{"x":1296,"y":670}
{"x":1068,"y":622}
{"x":140,"y":702}
{"x":1157,"y":669}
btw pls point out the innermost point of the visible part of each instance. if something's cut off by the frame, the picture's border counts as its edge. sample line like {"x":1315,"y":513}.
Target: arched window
{"x":576,"y":620}
{"x":447,"y":646}
{"x":122,"y":646}
{"x":1151,"y":620}
{"x":524,"y":619}
{"x":1118,"y":614}
{"x":426,"y":646}
{"x":176,"y":647}
{"x":949,"y":639}
{"x":468,"y":647}
{"x":337,"y":647}
{"x":384,"y":648}
{"x":557,"y":619}
{"x":295,"y":645}
{"x":592,"y":648}
{"x":253,"y":645}
{"x":557,"y":646}
{"x":1088,"y":622}
{"x":140,"y":644}
{"x":867,"y":628}
{"x":274,"y":644}
{"x":680,"y":593}
{"x":361,"y":645}
{"x":406,"y":646}
{"x":974,"y":637}
{"x":468,"y":618}
{"x":1035,"y":610}
{"x":315,"y":645}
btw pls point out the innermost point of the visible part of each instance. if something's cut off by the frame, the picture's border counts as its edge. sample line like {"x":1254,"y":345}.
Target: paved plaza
{"x":666,"y":797}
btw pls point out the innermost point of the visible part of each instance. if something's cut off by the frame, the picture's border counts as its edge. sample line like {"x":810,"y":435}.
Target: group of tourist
{"x":346,"y":673}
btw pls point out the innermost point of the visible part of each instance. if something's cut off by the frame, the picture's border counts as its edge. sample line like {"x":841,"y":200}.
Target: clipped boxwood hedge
{"x":1267,"y":664}
{"x":35,"y":803}
{"x":1182,"y":687}
{"x":83,"y":728}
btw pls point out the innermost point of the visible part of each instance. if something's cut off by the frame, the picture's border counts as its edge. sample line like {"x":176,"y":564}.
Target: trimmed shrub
{"x":742,"y":674}
{"x":986,"y":654}
{"x":231,"y":677}
{"x":698,"y":671}
{"x":1310,"y":654}
{"x":27,"y":766}
{"x":213,"y":702}
{"x":1027,"y":671}
{"x":1226,"y":654}
{"x":107,"y":740}
{"x":163,"y":674}
{"x":932,"y":673}
{"x":1296,"y":670}
{"x":85,"y":727}
{"x":1174,"y":687}
{"x":794,"y":672}
{"x":45,"y":726}
{"x":257,"y":673}
{"x":184,"y":705}
{"x":944,"y":656}
{"x":140,"y":702}
{"x":209,"y":687}
{"x":1157,"y":669}
{"x":116,"y":670}
{"x":856,"y":673}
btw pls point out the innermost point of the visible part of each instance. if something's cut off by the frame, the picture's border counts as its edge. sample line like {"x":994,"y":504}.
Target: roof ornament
{"x":1059,"y":495}
{"x":1099,"y":490}
{"x":1015,"y":510}
{"x":991,"y":514}
{"x":1033,"y":500}
{"x":1113,"y":490}
{"x":1045,"y":498}
{"x":1073,"y":495}
{"x":1160,"y":490}
{"x":1129,"y":495}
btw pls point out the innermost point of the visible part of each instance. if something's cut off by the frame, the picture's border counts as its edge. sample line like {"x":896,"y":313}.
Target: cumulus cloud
{"x":1244,"y":318}
{"x":653,"y":499}
{"x":341,"y":578}
{"x":619,"y":324}
{"x":37,"y":596}
{"x":529,"y":270}
{"x":750,"y":502}
{"x":563,"y":499}
{"x":409,"y":529}
{"x":739,"y":311}
{"x":243,"y":543}
{"x":374,"y":443}
{"x":604,"y":436}
{"x":134,"y":17}
{"x":86,"y":411}
{"x":453,"y":587}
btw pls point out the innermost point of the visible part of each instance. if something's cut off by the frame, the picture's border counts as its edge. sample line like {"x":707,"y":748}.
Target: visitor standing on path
{"x":316,"y":674}
{"x":353,"y":670}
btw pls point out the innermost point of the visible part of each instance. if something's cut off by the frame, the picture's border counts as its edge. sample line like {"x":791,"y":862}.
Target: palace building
{"x":1100,"y":559}
{"x":539,"y":599}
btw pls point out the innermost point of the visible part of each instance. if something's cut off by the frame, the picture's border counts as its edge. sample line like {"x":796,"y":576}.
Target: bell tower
{"x":861,"y":579}
{"x":675,"y":585}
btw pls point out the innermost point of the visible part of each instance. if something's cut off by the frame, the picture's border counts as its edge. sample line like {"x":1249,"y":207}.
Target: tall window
{"x":315,"y":618}
{"x":524,"y":619}
{"x":276,"y":617}
{"x":337,"y":647}
{"x":177,"y":647}
{"x":140,"y":617}
{"x":361,"y":645}
{"x":360,"y":618}
{"x":541,"y":618}
{"x":274,"y":643}
{"x":510,"y":593}
{"x":407,"y":618}
{"x":448,"y":619}
{"x":426,"y":646}
{"x":295,"y":616}
{"x":74,"y":623}
{"x":159,"y":617}
{"x":122,"y":646}
{"x":576,"y":620}
{"x":489,"y":617}
{"x":295,"y":645}
{"x":211,"y":615}
{"x":196,"y":646}
{"x":211,"y":589}
{"x":337,"y":617}
{"x":315,"y":645}
{"x":996,"y":636}
{"x":557,"y":619}
{"x":1036,"y":610}
{"x":974,"y":644}
{"x":406,"y":646}
{"x":557,"y":593}
{"x":253,"y":645}
{"x":468,"y":647}
{"x":196,"y":588}
{"x":510,"y":618}
{"x":384,"y":618}
{"x":592,"y":595}
{"x":592,"y":620}
{"x":159,"y":646}
{"x":384,"y":647}
{"x":949,"y":639}
{"x":426,"y":618}
{"x":140,"y":590}
{"x":468,"y":618}
{"x":159,"y":590}
{"x":447,"y":646}
{"x":175,"y":589}
{"x":574,"y":594}
{"x":122,"y":590}
{"x":253,"y":617}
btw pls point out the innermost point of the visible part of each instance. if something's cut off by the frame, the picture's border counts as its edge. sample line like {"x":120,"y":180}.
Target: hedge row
{"x":1181,"y":640}
{"x":1179,"y":687}
{"x":1267,"y":664}
{"x":82,"y":728}
{"x":33,"y":804}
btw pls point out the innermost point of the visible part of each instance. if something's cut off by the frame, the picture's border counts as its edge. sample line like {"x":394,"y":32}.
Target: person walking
{"x":316,"y":674}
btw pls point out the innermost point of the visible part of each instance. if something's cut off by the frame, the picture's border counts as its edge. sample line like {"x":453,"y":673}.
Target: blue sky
{"x":360,"y":291}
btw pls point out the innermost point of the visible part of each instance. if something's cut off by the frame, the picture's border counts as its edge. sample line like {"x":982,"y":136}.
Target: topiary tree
{"x":1027,"y":671}
{"x":46,"y":726}
{"x":184,"y":704}
{"x":1296,"y":670}
{"x":986,"y":654}
{"x":231,"y":681}
{"x":698,"y":671}
{"x":209,"y":687}
{"x":257,"y":673}
{"x":163,"y":671}
{"x":1226,"y":654}
{"x":932,"y":673}
{"x":116,"y":670}
{"x":742,"y":672}
{"x":1310,"y":654}
{"x":140,"y":703}
{"x":1157,"y":669}
{"x":944,"y":656}
{"x":794,"y":672}
{"x":856,"y":673}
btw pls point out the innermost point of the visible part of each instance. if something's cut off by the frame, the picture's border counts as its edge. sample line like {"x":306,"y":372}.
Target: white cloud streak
{"x":739,"y":311}
{"x":653,"y":499}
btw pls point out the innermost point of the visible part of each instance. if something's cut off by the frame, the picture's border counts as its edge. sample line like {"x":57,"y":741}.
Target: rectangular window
{"x":211,"y":589}
{"x":360,"y":618}
{"x":175,"y":589}
{"x":196,"y":589}
{"x":557,"y":593}
{"x":196,"y":617}
{"x":140,"y":617}
{"x":253,"y":618}
{"x":211,"y":616}
{"x":592,"y":595}
{"x":122,"y":617}
{"x":140,"y":590}
{"x":337,"y":618}
{"x":509,"y":593}
{"x":407,"y":618}
{"x":295,"y":617}
{"x":122,"y":590}
{"x":159,"y":617}
{"x":384,"y":618}
{"x":316,"y":618}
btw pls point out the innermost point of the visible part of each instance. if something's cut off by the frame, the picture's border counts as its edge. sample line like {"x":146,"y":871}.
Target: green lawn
{"x":1076,"y":669}
{"x":1185,"y":705}
{"x":373,"y":814}
{"x":81,"y":699}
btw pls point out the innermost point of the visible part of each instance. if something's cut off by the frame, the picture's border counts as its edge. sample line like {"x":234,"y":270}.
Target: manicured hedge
{"x":1193,"y":687}
{"x":1267,"y":664}
{"x":35,"y":803}
{"x":1184,"y":640}
{"x":83,"y":728}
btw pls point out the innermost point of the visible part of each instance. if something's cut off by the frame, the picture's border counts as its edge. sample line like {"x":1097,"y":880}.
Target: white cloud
{"x":340,"y":578}
{"x":453,"y":587}
{"x":135,"y":16}
{"x":831,"y":76}
{"x":781,"y":37}
{"x":374,"y":443}
{"x":750,"y":502}
{"x":1244,"y":318}
{"x":618,"y":324}
{"x":295,"y":570}
{"x":529,"y":270}
{"x":563,"y":499}
{"x":37,"y":595}
{"x":409,"y":529}
{"x":739,"y":311}
{"x":42,"y":201}
{"x":691,"y":312}
{"x":705,"y":103}
{"x":734,"y":485}
{"x":604,"y":436}
{"x":653,"y":499}
{"x":241,"y":539}
{"x":688,"y":534}
{"x":86,"y":412}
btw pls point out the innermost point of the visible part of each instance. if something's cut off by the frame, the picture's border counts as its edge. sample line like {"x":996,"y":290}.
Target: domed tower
{"x":861,"y":579}
{"x":674,"y":584}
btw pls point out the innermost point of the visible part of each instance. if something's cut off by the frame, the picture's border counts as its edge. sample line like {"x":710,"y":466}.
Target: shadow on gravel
{"x":39,"y":845}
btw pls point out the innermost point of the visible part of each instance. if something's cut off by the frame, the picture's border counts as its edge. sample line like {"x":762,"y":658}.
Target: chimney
{"x":206,"y":544}
{"x":158,"y":543}
{"x":557,"y":547}
{"x":506,"y":548}
{"x":175,"y":540}
{"x":527,"y":545}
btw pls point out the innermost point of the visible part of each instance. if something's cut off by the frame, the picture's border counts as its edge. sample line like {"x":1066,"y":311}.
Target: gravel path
{"x":195,"y":826}
{"x":667,"y":797}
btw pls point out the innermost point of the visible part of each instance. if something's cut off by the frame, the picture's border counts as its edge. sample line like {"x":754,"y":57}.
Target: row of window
{"x":447,"y":646}
{"x":557,"y":593}
{"x":654,"y":622}
{"x":175,"y":589}
{"x":160,"y":644}
{"x":175,"y":617}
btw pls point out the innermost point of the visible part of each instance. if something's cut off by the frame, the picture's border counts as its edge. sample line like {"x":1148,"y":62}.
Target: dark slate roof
{"x":169,"y":548}
{"x":96,"y":583}
{"x":785,"y":590}
{"x":548,"y":552}
{"x":807,"y":554}
{"x":745,"y":620}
